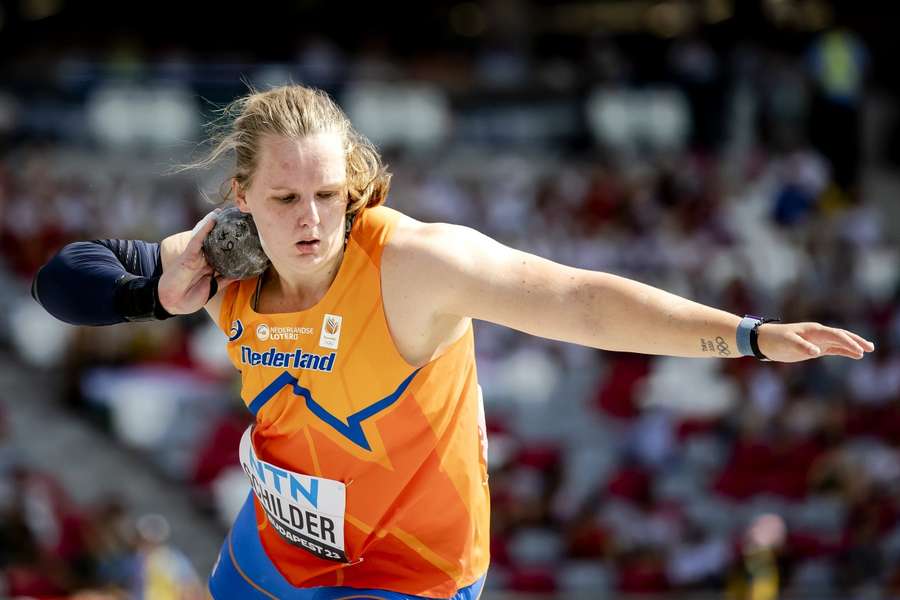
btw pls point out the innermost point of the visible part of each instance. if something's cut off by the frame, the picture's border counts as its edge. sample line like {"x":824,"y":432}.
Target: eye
{"x":285,"y":199}
{"x":327,"y":195}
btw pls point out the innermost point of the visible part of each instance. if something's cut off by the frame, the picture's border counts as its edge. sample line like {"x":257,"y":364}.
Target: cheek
{"x":269,"y":229}
{"x":264,"y":245}
{"x":336,"y":218}
{"x":265,"y":236}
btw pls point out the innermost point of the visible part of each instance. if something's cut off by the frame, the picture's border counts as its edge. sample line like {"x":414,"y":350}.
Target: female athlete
{"x":367,"y":458}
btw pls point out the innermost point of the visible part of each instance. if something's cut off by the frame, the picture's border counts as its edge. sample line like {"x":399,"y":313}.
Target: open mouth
{"x":306,"y":246}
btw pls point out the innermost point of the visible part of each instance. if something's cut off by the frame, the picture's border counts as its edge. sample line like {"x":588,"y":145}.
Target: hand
{"x":793,"y":342}
{"x":184,"y":287}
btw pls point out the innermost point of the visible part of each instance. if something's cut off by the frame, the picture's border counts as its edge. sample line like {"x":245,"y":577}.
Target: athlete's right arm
{"x":103,"y":282}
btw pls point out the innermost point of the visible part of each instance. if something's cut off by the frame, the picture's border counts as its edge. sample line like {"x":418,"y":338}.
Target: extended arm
{"x":473,"y":275}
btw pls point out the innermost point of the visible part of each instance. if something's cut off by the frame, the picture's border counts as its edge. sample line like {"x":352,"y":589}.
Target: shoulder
{"x":405,"y":231}
{"x":377,"y":218}
{"x":438,"y":265}
{"x":427,"y":245}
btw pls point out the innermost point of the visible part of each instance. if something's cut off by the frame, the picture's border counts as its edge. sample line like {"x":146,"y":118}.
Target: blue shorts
{"x":258,"y":579}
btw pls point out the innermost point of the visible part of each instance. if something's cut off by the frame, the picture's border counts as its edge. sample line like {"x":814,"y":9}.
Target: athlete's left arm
{"x":469,"y":274}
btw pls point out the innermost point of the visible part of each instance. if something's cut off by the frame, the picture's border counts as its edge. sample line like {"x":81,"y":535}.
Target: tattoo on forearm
{"x":718,"y":345}
{"x":722,"y":346}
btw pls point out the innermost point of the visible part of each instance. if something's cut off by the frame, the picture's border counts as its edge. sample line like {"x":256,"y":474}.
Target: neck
{"x":302,"y":290}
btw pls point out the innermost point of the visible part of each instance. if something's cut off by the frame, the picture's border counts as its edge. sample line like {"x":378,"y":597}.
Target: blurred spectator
{"x":756,"y":576}
{"x":161,"y":571}
{"x":838,"y":63}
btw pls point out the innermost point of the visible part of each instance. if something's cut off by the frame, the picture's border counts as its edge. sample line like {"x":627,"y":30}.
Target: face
{"x":298,"y":199}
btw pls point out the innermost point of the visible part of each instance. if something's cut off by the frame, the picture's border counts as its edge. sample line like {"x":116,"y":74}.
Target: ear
{"x":240,"y":196}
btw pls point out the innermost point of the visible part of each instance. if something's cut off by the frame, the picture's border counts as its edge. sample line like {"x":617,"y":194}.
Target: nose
{"x":307,"y":213}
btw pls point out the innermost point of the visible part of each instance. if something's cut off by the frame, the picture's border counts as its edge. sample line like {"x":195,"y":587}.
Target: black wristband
{"x":137,"y":299}
{"x":754,"y":338}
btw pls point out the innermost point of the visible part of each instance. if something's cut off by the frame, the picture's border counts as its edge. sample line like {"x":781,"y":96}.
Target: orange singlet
{"x":367,"y":472}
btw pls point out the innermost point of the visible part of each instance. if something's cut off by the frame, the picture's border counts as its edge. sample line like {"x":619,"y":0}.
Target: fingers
{"x":842,"y":342}
{"x":815,"y":339}
{"x":847,"y":342}
{"x":202,"y":222}
{"x":200,"y":231}
{"x":807,"y":347}
{"x":866,"y":344}
{"x":837,"y":351}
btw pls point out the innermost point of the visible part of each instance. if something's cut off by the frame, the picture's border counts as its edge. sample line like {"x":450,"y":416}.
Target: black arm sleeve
{"x":81,"y":284}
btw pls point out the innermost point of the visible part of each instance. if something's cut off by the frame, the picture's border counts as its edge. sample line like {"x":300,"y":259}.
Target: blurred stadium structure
{"x":743,"y":154}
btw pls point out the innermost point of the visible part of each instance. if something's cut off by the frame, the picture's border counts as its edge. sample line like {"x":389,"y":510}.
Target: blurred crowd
{"x":52,"y":547}
{"x":610,"y":473}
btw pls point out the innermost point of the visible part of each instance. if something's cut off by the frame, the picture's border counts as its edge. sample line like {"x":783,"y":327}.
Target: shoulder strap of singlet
{"x":373,"y":230}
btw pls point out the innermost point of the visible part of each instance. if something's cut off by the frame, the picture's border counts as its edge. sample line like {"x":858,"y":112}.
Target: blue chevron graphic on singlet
{"x":352,"y":429}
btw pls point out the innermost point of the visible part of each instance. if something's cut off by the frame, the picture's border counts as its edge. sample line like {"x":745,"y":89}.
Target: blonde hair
{"x":294,"y":111}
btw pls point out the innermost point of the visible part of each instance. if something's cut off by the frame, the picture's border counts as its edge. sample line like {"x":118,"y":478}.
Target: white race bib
{"x":306,"y":511}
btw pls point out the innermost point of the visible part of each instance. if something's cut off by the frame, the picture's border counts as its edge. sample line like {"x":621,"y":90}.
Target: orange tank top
{"x":345,"y":425}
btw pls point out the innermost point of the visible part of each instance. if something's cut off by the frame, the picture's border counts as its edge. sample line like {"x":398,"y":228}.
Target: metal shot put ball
{"x":232,"y":248}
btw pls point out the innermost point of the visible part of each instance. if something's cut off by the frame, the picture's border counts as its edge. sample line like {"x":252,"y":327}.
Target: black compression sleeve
{"x":82,"y":283}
